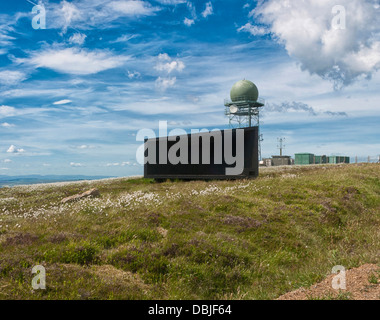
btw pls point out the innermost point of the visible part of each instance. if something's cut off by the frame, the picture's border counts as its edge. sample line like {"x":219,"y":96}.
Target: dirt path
{"x":362,"y":283}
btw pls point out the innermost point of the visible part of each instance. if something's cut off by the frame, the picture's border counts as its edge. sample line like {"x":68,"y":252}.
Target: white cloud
{"x":306,"y":29}
{"x":7,"y":160}
{"x":171,"y":2}
{"x":68,"y":13}
{"x":132,"y":8}
{"x":77,"y":38}
{"x":5,"y":39}
{"x":84,"y":146}
{"x":167,"y":64}
{"x":7,"y":111}
{"x":299,"y":107}
{"x":13,"y":149}
{"x":134,"y":75}
{"x":208,"y":10}
{"x":64,"y":101}
{"x":125,"y":38}
{"x":117,"y":164}
{"x":113,"y":164}
{"x":8,"y":77}
{"x":76,"y":61}
{"x":6,"y":125}
{"x":254,"y":30}
{"x":74,"y":164}
{"x":192,"y":10}
{"x":165,"y":83}
{"x":188,"y":22}
{"x":85,"y":14}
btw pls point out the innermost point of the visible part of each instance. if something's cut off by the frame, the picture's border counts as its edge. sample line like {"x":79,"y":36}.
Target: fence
{"x":368,"y":159}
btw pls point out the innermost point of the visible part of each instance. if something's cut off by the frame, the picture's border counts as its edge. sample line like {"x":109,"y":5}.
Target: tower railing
{"x":243,"y":101}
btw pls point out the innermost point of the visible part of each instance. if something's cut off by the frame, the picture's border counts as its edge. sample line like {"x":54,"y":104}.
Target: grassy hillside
{"x":252,"y":239}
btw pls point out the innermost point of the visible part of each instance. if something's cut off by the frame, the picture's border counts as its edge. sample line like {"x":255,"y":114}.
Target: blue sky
{"x":74,"y":95}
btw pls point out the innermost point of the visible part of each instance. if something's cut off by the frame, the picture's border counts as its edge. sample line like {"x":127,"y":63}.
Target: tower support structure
{"x":243,"y":112}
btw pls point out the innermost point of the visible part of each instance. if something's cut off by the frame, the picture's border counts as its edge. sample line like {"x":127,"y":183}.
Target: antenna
{"x":280,"y":144}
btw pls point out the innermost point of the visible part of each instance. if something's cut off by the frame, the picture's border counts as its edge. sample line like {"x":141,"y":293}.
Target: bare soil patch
{"x":362,"y":283}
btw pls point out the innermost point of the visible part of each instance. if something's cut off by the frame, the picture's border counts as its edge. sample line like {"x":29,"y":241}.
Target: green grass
{"x":250,"y":239}
{"x":373,"y":278}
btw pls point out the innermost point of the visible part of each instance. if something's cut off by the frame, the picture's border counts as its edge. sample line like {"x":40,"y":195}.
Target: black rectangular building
{"x":224,"y":154}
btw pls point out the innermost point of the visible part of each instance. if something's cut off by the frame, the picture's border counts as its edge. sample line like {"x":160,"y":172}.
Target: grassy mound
{"x":251,"y":239}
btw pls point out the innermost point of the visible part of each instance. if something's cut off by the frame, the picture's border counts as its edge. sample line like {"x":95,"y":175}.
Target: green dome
{"x":244,"y":90}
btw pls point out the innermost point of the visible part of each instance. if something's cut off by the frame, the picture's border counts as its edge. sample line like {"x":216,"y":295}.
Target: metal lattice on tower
{"x":281,"y":144}
{"x":243,"y":107}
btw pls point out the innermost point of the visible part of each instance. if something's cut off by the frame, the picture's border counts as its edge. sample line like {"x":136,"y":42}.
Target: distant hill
{"x":10,"y":181}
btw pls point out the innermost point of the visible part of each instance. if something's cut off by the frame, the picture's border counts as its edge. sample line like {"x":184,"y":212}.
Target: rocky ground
{"x":361,"y":284}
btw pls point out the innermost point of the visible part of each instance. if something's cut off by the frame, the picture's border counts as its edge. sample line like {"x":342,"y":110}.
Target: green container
{"x":304,"y":158}
{"x":333,"y":159}
{"x":320,"y":159}
{"x":339,"y":159}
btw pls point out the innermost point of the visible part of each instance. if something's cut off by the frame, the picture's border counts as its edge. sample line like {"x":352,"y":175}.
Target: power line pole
{"x":261,"y":139}
{"x":281,"y":144}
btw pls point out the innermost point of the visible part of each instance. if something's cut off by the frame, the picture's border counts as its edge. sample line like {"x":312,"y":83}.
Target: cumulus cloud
{"x":188,"y":22}
{"x":8,"y":77}
{"x":167,"y":64}
{"x":296,"y":107}
{"x":134,"y":74}
{"x":307,"y":30}
{"x":75,"y":61}
{"x":13,"y":149}
{"x":77,"y":38}
{"x":208,"y":10}
{"x":165,"y":83}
